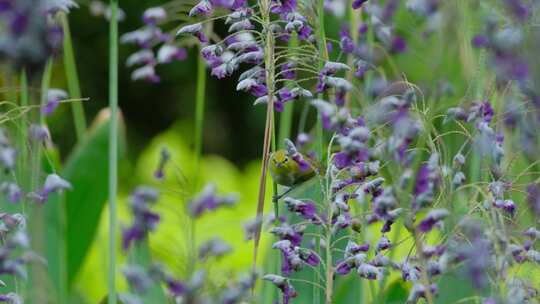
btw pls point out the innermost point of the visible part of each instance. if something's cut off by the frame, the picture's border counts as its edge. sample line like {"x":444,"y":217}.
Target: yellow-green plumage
{"x":286,"y":172}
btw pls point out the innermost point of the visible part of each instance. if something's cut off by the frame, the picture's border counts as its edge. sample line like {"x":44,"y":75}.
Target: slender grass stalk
{"x":199,"y":112}
{"x":319,"y":146}
{"x":199,"y":125}
{"x":269,"y":61}
{"x":39,"y":280}
{"x":354,"y":18}
{"x":113,"y":147}
{"x":72,"y":78}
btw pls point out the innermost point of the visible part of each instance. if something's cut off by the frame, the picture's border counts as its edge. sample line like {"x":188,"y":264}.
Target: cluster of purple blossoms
{"x":144,"y":219}
{"x":191,"y":290}
{"x":242,"y":46}
{"x":15,"y":253}
{"x":147,"y":39}
{"x":208,"y":200}
{"x":30,"y":35}
{"x":8,"y":159}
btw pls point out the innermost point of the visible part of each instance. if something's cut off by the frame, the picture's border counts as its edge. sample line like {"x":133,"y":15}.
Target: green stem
{"x":39,"y":280}
{"x":113,"y":147}
{"x":72,"y":78}
{"x":199,"y":112}
{"x":323,"y":51}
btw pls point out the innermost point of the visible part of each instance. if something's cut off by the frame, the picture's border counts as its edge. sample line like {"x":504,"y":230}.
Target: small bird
{"x":288,"y":172}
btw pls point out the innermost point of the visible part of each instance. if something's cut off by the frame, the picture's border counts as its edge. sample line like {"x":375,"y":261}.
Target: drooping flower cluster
{"x":144,"y":219}
{"x":144,"y":277}
{"x":29,"y":35}
{"x":15,"y":251}
{"x":147,"y":39}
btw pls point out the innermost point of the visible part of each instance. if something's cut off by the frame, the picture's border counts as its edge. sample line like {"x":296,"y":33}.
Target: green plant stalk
{"x":39,"y":281}
{"x":113,"y":148}
{"x":23,"y":130}
{"x":199,"y":112}
{"x":353,"y":29}
{"x":72,"y":78}
{"x":319,"y":145}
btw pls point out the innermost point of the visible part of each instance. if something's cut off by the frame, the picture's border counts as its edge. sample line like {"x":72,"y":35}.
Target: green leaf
{"x":86,"y":169}
{"x":455,"y":286}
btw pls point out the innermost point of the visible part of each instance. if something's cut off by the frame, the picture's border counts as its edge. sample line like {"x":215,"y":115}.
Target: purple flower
{"x":399,"y":45}
{"x":194,"y":29}
{"x":287,"y":70}
{"x":39,"y":133}
{"x":284,"y":285}
{"x":5,"y":6}
{"x":204,"y":7}
{"x":369,"y":271}
{"x":144,"y":219}
{"x":346,"y":43}
{"x":356,"y":4}
{"x":175,"y":287}
{"x":53,"y":183}
{"x":146,"y":73}
{"x":12,"y":191}
{"x":343,"y":267}
{"x":154,"y":15}
{"x":533,"y":198}
{"x":431,"y":219}
{"x":309,"y":257}
{"x":168,"y":53}
{"x":422,"y":180}
{"x":306,"y":210}
{"x":214,"y":247}
{"x":294,"y":234}
{"x":383,"y":244}
{"x":54,"y":96}
{"x":164,"y":157}
{"x":207,"y":200}
{"x":518,"y":8}
{"x":480,"y":41}
{"x":145,"y":37}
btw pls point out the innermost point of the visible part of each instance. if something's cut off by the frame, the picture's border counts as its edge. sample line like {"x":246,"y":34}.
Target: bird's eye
{"x":286,"y":159}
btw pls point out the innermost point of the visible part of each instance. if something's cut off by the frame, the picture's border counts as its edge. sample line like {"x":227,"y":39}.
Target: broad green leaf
{"x":86,"y":169}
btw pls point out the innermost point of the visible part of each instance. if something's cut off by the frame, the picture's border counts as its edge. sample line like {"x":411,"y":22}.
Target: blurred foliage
{"x":170,"y":242}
